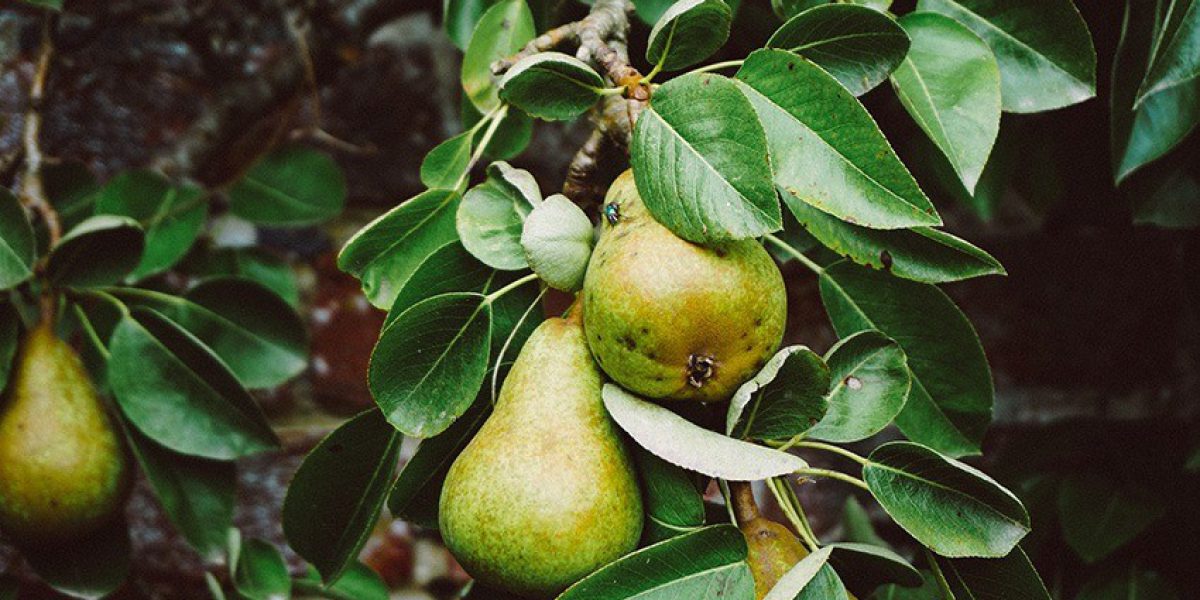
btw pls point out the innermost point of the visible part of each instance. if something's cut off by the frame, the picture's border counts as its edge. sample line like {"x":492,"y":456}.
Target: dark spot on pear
{"x":629,"y":342}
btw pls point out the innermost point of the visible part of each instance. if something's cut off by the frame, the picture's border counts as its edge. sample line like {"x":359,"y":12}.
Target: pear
{"x":63,"y":469}
{"x":773,"y":548}
{"x":546,"y":491}
{"x":670,"y":319}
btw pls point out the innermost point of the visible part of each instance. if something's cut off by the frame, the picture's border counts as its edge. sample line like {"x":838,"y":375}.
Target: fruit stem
{"x":510,"y":287}
{"x":574,"y":312}
{"x":744,"y":507}
{"x":786,"y":247}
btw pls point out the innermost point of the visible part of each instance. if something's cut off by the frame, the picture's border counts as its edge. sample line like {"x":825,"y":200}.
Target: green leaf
{"x":197,"y":494}
{"x":1131,"y":584}
{"x":336,"y":495}
{"x":502,"y":30}
{"x":18,"y":248}
{"x":1043,"y":48}
{"x":358,"y":582}
{"x":687,"y":33}
{"x":489,"y":222}
{"x":673,"y":504}
{"x":950,"y":404}
{"x":551,"y":86}
{"x":864,"y":567}
{"x":254,"y":264}
{"x":788,"y":396}
{"x":178,"y":393}
{"x":920,"y":254}
{"x":1010,"y":578}
{"x":857,"y":45}
{"x":291,"y":187}
{"x":10,"y":337}
{"x":384,"y":253}
{"x":518,"y":183}
{"x":950,"y":507}
{"x":682,"y":443}
{"x":930,"y":590}
{"x":512,"y":136}
{"x":950,"y":83}
{"x":826,"y":149}
{"x":91,"y":567}
{"x":1161,"y":120}
{"x":99,"y":251}
{"x":1099,"y":514}
{"x":254,"y":332}
{"x":871,"y":382}
{"x":261,"y":572}
{"x":171,"y":216}
{"x":430,"y":361}
{"x":459,"y":18}
{"x":796,"y":580}
{"x":825,"y":585}
{"x":700,"y":161}
{"x":786,"y":9}
{"x":444,"y":166}
{"x":557,"y":240}
{"x":707,"y":563}
{"x":1178,"y":60}
{"x":857,"y":524}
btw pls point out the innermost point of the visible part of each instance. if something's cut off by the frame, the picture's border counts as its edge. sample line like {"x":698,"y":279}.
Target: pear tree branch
{"x":33,"y":192}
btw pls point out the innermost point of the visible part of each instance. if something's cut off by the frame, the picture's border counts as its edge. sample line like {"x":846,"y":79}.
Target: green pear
{"x":773,"y":548}
{"x":670,"y":319}
{"x":63,"y":468}
{"x":546,"y":491}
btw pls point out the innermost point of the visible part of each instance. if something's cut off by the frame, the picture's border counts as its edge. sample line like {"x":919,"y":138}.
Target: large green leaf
{"x":1177,"y":61}
{"x":687,"y":33}
{"x":1009,"y":578}
{"x":685,"y":444}
{"x":825,"y":585}
{"x":826,"y":149}
{"x":90,"y":567}
{"x":17,"y":245}
{"x":502,"y":30}
{"x":444,"y":166}
{"x":1043,"y":47}
{"x":950,"y":507}
{"x":950,"y":84}
{"x":864,"y":567}
{"x":489,"y":222}
{"x":920,"y":254}
{"x":98,"y":251}
{"x":857,"y":45}
{"x":430,"y":361}
{"x":700,"y":161}
{"x":172,"y":216}
{"x":673,"y":503}
{"x":448,"y":269}
{"x":384,"y":253}
{"x":796,"y":581}
{"x":336,"y":495}
{"x":950,"y":404}
{"x":459,"y":18}
{"x":557,"y":239}
{"x":1099,"y":514}
{"x":707,"y":563}
{"x":551,"y":86}
{"x":196,"y":493}
{"x":261,"y":572}
{"x":178,"y":393}
{"x":293,"y":186}
{"x":785,"y":399}
{"x":255,"y":264}
{"x":1163,"y":119}
{"x":871,"y":381}
{"x":1128,"y":584}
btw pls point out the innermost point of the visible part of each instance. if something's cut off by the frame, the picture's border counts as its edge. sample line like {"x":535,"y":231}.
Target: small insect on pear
{"x":612,"y":212}
{"x":700,"y":369}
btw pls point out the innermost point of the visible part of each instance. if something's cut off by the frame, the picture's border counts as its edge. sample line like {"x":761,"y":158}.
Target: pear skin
{"x":546,"y":491}
{"x":63,"y":468}
{"x":669,"y":319}
{"x":773,"y":548}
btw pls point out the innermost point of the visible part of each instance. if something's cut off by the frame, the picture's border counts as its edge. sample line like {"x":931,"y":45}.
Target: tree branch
{"x":33,"y":193}
{"x":550,"y":40}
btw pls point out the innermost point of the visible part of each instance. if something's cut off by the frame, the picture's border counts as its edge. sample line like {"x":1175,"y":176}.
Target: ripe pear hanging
{"x":63,"y":468}
{"x":546,"y":491}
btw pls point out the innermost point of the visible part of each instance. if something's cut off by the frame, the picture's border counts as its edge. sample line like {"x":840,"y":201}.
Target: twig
{"x":33,"y":193}
{"x":602,"y":41}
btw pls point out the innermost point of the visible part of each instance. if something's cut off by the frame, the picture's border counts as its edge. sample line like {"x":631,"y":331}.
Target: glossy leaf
{"x":430,"y":361}
{"x":685,"y":444}
{"x":1043,"y":48}
{"x":489,"y":222}
{"x":871,"y":381}
{"x":336,"y":495}
{"x":825,"y":585}
{"x":261,"y":572}
{"x":171,"y":216}
{"x":100,"y":250}
{"x":444,"y":166}
{"x":502,"y":30}
{"x":920,"y":254}
{"x":557,"y":239}
{"x":700,"y":161}
{"x":459,"y":18}
{"x":518,"y":183}
{"x":17,"y":245}
{"x":91,"y":567}
{"x":1178,"y":60}
{"x":950,"y":507}
{"x":448,"y":269}
{"x":784,"y":399}
{"x":707,"y":563}
{"x":826,"y":149}
{"x":291,"y":187}
{"x":672,"y":502}
{"x":687,"y":33}
{"x":1010,"y":578}
{"x":178,"y":393}
{"x":793,"y":583}
{"x":255,"y":264}
{"x":384,"y":253}
{"x":1099,"y":514}
{"x":857,"y":45}
{"x":950,"y":404}
{"x":71,"y":189}
{"x":950,"y":84}
{"x":551,"y":86}
{"x":786,"y":9}
{"x":864,"y":567}
{"x":1129,"y":584}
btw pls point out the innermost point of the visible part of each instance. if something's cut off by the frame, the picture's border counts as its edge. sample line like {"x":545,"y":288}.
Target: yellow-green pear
{"x":63,"y":468}
{"x":773,"y":548}
{"x":546,"y":491}
{"x":670,"y":319}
